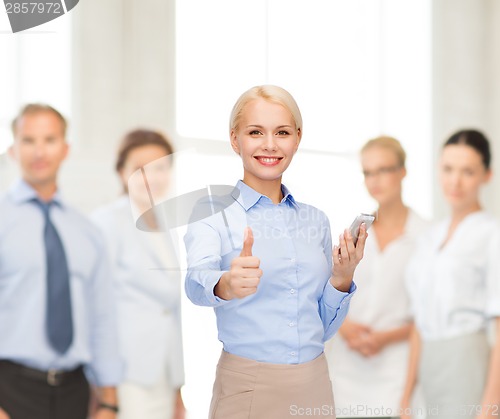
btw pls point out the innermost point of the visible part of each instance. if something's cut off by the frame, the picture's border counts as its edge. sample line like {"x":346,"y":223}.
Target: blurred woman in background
{"x":454,"y":284}
{"x":368,"y":357}
{"x":146,"y":280}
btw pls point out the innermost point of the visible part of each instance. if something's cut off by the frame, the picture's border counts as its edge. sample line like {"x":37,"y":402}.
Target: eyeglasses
{"x":381,"y":171}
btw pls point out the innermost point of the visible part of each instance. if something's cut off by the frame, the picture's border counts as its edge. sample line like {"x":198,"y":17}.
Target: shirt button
{"x":292,"y":291}
{"x":291,"y":324}
{"x":292,"y":353}
{"x":292,"y":260}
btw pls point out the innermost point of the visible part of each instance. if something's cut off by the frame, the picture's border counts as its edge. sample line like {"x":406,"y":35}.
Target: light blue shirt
{"x":23,"y":289}
{"x":295,"y":309}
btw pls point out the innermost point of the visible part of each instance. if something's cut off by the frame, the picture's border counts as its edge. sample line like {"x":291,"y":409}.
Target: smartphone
{"x":368,"y":219}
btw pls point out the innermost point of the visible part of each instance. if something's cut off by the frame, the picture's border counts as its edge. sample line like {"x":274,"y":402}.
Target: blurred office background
{"x":413,"y":69}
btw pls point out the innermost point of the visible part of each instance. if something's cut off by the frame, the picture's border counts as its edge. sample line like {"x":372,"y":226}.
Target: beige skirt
{"x":248,"y":389}
{"x":453,"y":375}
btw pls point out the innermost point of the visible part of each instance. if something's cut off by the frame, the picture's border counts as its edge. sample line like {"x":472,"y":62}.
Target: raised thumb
{"x":247,"y":243}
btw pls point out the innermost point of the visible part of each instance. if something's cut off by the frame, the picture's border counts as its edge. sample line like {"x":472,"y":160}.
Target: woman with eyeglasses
{"x":454,"y":284}
{"x":368,"y":357}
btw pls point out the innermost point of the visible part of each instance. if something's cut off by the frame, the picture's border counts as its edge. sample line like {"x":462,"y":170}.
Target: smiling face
{"x":266,"y":139}
{"x":383,"y":174}
{"x":462,"y":173}
{"x":39,"y":147}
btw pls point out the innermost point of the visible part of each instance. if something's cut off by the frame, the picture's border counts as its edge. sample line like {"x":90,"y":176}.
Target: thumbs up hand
{"x":244,"y":277}
{"x":247,"y":243}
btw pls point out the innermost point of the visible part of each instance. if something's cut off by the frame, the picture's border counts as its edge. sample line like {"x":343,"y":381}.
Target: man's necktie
{"x":59,"y":319}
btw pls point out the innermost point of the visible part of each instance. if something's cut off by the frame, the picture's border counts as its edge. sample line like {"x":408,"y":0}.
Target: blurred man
{"x":57,"y":322}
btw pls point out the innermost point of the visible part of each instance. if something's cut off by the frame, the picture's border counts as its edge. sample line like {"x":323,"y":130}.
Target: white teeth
{"x":269,"y":159}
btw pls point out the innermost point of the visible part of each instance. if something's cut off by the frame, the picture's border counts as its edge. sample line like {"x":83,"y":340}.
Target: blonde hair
{"x":388,"y":143}
{"x":270,"y":93}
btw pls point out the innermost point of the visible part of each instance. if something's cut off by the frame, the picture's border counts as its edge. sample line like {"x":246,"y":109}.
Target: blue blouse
{"x":295,"y":309}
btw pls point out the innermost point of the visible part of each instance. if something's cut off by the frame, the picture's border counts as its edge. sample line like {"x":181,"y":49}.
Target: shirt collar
{"x":22,"y":192}
{"x":248,"y":197}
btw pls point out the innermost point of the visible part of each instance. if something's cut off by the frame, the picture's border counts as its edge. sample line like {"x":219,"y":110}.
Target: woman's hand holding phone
{"x":349,"y":252}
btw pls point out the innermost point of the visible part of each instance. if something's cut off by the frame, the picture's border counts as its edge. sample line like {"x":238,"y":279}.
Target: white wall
{"x":123,"y":78}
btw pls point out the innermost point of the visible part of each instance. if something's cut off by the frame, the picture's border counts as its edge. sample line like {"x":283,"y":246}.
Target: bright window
{"x":356,"y":68}
{"x":36,"y":67}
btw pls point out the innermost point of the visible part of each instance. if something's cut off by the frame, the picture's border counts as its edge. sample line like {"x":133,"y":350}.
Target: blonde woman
{"x":368,"y":357}
{"x":454,"y":284}
{"x":266,"y":267}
